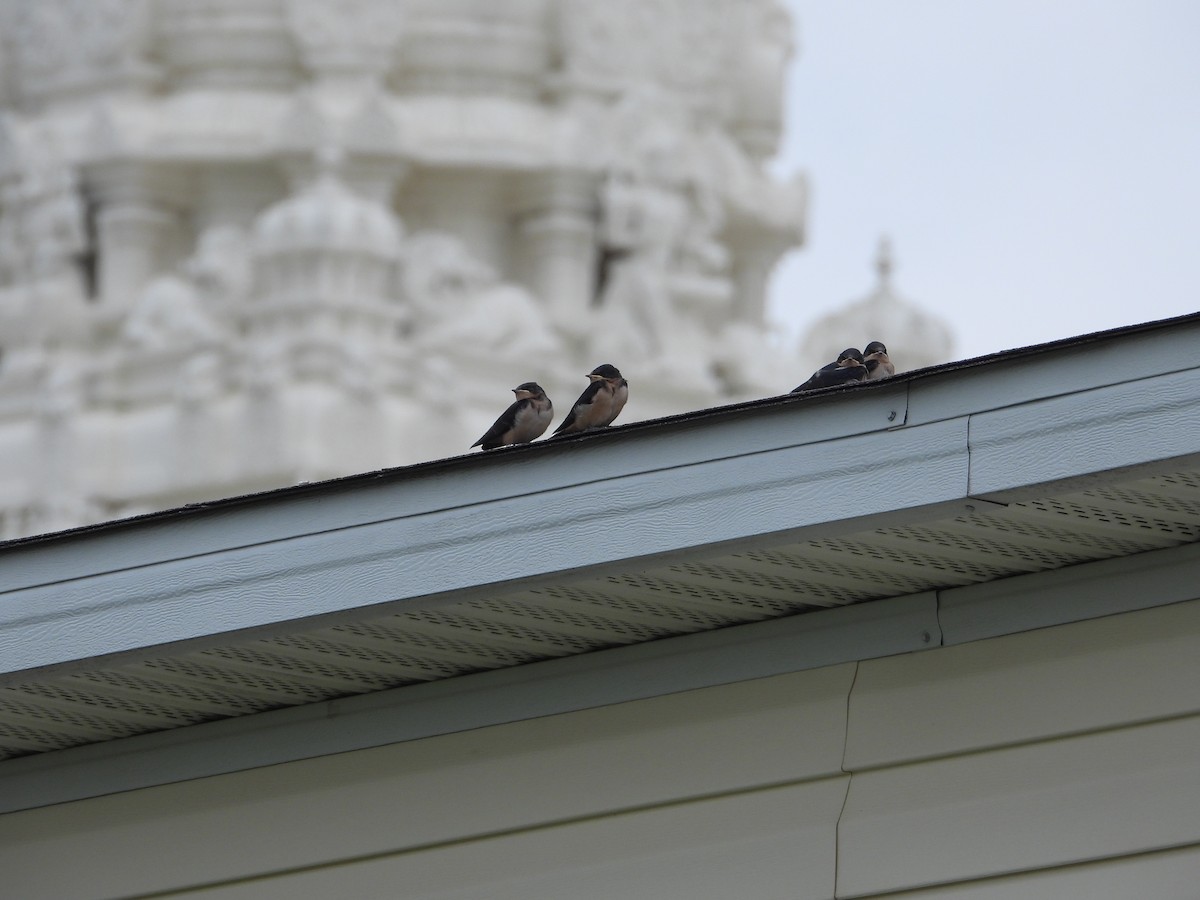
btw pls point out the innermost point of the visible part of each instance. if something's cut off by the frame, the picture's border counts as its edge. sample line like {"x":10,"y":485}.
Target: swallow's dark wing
{"x":494,"y":437}
{"x":829,"y":377}
{"x":579,"y":410}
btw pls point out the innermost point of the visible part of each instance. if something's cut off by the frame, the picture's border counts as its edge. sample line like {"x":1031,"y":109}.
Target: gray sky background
{"x":1036,"y":163}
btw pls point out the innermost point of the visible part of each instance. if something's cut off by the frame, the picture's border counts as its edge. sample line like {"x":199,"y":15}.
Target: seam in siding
{"x":837,"y":827}
{"x":970,"y":461}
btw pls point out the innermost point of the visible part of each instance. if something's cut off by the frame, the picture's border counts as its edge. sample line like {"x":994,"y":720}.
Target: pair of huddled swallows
{"x":528,"y":418}
{"x":850,"y":366}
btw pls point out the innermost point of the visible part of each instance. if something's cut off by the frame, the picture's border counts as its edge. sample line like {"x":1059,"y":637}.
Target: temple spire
{"x":884,"y":262}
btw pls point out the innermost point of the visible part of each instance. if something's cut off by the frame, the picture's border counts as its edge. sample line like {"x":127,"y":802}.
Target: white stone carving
{"x":12,"y":257}
{"x":462,"y":309}
{"x":168,"y":314}
{"x":475,"y":47}
{"x":326,"y":215}
{"x":64,"y":47}
{"x":353,"y":39}
{"x":642,"y":225}
{"x":42,"y":228}
{"x":327,"y":245}
{"x":54,"y":228}
{"x":227,"y":44}
{"x":682,"y":45}
{"x":220,"y":266}
{"x":757,"y":99}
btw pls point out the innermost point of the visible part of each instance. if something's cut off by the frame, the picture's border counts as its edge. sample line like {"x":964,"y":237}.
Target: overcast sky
{"x":1036,"y":163}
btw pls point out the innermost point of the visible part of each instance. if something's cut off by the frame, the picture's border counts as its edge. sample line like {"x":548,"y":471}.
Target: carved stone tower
{"x":245,"y":243}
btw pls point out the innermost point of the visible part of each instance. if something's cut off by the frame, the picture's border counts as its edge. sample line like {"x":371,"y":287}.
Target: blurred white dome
{"x":327,"y":215}
{"x":914,"y":338}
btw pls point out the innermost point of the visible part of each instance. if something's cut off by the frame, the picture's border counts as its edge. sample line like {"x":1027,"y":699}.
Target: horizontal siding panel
{"x":1025,"y":687}
{"x":1168,"y":875}
{"x":783,"y":729}
{"x":1128,"y":424}
{"x":1072,"y":800}
{"x":769,"y":845}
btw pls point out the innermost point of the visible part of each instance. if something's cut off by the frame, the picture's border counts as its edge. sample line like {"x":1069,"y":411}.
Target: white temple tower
{"x":245,"y":243}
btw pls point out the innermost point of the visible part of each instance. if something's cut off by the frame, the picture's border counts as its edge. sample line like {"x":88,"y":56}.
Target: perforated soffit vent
{"x":583,"y":615}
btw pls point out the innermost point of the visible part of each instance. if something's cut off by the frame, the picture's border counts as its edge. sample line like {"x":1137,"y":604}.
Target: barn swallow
{"x":599,"y":403}
{"x":875,"y":358}
{"x":846,"y":368}
{"x":523,"y":421}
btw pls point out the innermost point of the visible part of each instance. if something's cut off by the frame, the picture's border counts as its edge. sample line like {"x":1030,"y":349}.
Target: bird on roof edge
{"x":527,"y":418}
{"x":848,"y":367}
{"x":599,"y":404}
{"x":879,"y":364}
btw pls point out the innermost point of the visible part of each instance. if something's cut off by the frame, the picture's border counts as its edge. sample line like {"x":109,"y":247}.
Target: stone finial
{"x":884,"y":262}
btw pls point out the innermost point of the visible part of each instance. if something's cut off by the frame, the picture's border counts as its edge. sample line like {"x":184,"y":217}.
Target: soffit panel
{"x":389,"y":647}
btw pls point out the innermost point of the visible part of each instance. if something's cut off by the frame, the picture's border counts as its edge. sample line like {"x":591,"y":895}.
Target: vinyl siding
{"x":1167,"y":875}
{"x":1063,"y":762}
{"x":636,"y":760}
{"x":780,"y":842}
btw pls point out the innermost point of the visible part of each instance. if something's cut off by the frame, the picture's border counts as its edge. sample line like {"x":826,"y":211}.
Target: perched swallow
{"x":523,"y":421}
{"x":875,"y":358}
{"x":599,"y":403}
{"x":847,"y":367}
